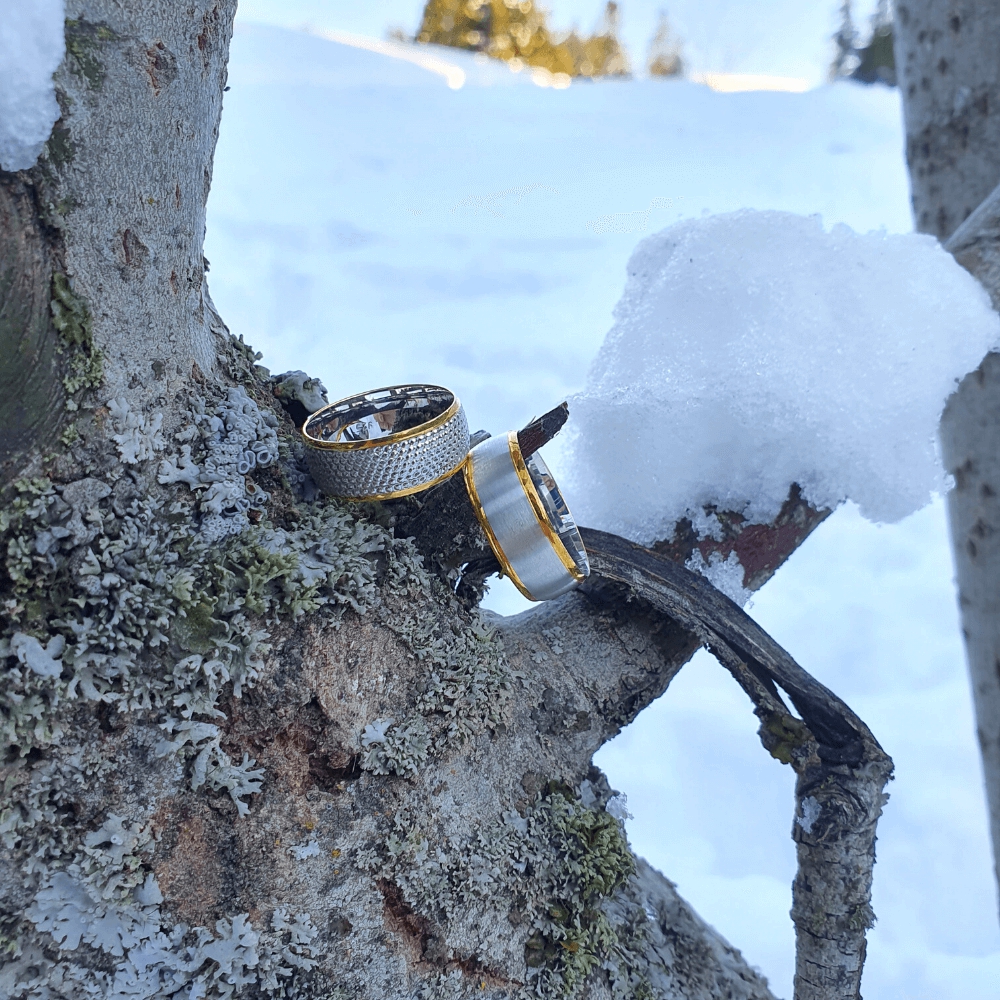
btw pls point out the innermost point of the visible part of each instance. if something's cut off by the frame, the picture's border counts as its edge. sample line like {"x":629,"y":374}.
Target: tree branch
{"x":976,"y":245}
{"x":841,"y":769}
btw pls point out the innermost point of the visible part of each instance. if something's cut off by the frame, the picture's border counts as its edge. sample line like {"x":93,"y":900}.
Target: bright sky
{"x":775,"y":37}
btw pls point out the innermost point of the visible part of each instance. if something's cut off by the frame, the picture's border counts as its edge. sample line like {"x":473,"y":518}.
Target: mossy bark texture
{"x":258,"y":743}
{"x":950,"y":81}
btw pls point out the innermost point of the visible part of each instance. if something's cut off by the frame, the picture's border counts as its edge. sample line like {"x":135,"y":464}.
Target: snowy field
{"x":370,"y":224}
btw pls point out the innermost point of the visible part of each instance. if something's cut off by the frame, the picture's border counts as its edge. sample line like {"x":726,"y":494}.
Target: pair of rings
{"x":392,"y":442}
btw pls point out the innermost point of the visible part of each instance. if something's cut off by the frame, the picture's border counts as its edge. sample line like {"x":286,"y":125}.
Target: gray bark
{"x":950,"y":81}
{"x":949,"y":78}
{"x":263,"y":744}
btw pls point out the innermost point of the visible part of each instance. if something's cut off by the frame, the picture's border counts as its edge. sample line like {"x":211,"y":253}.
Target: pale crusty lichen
{"x":465,"y":683}
{"x":159,"y":602}
{"x":104,"y":900}
{"x":150,"y":603}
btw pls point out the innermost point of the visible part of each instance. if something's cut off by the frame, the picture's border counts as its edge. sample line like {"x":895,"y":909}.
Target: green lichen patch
{"x":558,"y":867}
{"x":84,"y":40}
{"x":146,"y":617}
{"x":573,"y":935}
{"x":72,"y":319}
{"x":60,"y":148}
{"x":784,"y":735}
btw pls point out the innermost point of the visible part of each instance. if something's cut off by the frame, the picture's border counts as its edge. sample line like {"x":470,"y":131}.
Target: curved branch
{"x":841,"y":769}
{"x":641,"y":644}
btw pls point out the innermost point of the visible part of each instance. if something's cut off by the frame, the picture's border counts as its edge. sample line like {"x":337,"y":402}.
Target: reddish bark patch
{"x":133,"y":254}
{"x":208,"y":37}
{"x":483,"y":976}
{"x":402,"y":921}
{"x":188,"y":862}
{"x":760,"y":548}
{"x":304,"y":753}
{"x":161,"y":67}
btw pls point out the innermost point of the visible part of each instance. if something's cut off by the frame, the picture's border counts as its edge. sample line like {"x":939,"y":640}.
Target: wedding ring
{"x":525,"y":518}
{"x":386,"y":443}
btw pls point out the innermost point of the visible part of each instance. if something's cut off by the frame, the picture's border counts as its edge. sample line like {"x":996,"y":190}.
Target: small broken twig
{"x":542,"y":430}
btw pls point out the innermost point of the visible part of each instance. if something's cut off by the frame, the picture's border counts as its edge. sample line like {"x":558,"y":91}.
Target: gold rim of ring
{"x":538,"y":508}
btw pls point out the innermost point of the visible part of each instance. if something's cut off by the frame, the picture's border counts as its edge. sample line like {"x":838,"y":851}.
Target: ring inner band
{"x":380,"y":417}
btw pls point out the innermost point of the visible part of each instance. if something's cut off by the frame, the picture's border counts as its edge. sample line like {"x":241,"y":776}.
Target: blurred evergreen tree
{"x":877,"y":60}
{"x":518,"y":30}
{"x":873,"y":62}
{"x":846,"y":61}
{"x":664,"y":57}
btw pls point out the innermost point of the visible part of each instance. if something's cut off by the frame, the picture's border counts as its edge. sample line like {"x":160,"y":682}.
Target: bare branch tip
{"x":542,"y":429}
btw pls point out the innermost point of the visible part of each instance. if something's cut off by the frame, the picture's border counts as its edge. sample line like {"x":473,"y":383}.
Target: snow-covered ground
{"x":370,"y":224}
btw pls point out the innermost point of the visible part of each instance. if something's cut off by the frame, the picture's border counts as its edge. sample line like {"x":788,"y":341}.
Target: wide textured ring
{"x":386,"y":443}
{"x":529,"y":526}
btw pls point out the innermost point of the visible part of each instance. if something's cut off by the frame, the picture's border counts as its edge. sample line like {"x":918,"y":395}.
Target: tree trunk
{"x":261,"y":743}
{"x":948,"y":56}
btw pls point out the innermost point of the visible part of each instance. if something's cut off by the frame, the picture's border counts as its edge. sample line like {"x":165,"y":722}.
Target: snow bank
{"x":752,"y":350}
{"x":31,"y":47}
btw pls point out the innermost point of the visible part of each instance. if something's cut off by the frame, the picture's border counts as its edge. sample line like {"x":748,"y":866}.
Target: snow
{"x":370,"y":225}
{"x":752,"y":350}
{"x":724,"y":574}
{"x":352,"y":205}
{"x":31,"y":47}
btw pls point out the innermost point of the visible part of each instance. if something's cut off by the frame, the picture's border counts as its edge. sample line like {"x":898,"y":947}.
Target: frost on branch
{"x":755,"y":350}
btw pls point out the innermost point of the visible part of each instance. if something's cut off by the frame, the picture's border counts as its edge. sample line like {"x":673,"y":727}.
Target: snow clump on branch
{"x":754,"y":350}
{"x":32,"y":44}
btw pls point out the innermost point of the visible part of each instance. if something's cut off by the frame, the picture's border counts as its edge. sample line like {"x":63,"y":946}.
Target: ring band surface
{"x":529,"y":526}
{"x":387,"y":443}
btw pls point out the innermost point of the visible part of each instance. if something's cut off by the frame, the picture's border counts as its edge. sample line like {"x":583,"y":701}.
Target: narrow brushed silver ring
{"x":523,"y":513}
{"x":387,"y":443}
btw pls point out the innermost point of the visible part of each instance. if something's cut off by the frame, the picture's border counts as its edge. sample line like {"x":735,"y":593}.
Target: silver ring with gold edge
{"x":386,"y":443}
{"x":525,"y":518}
